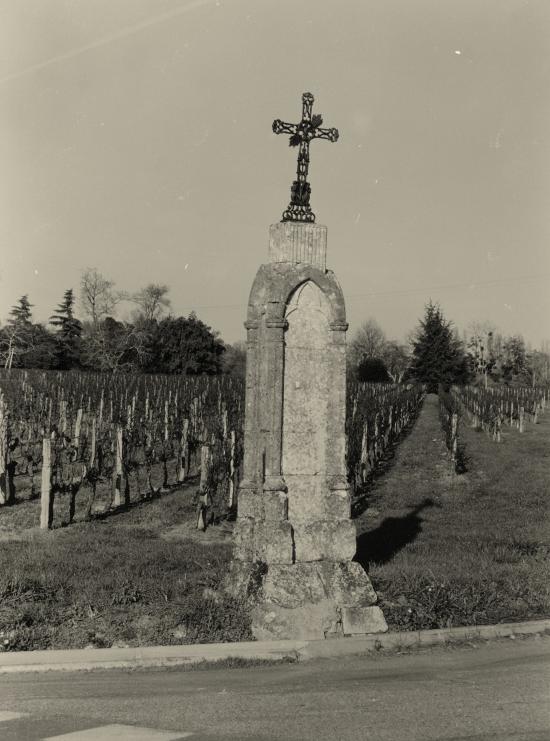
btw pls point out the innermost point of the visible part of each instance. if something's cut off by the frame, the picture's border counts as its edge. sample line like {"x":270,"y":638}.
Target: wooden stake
{"x":3,"y":452}
{"x":183,"y":468}
{"x":232,"y":471}
{"x":46,"y":497}
{"x":117,"y":473}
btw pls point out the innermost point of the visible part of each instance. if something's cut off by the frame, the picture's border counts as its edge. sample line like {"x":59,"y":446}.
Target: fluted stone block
{"x":294,"y":242}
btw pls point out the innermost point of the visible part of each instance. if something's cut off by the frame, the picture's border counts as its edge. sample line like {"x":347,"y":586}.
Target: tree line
{"x":436,"y":354}
{"x":152,"y":340}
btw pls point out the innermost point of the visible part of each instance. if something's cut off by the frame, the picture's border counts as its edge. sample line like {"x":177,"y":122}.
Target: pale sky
{"x":136,"y":138}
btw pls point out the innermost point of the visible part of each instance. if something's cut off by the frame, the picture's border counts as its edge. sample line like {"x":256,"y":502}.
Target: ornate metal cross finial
{"x":300,"y":136}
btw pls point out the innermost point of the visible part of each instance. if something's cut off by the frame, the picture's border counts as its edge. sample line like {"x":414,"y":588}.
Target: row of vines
{"x":491,"y":408}
{"x":377,"y":415}
{"x":92,"y":442}
{"x":119,"y":439}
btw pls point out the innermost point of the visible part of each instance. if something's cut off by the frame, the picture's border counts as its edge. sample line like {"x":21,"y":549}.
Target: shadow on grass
{"x":394,"y":533}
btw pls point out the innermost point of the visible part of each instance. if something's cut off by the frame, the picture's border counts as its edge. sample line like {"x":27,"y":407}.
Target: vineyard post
{"x":183,"y":468}
{"x":93,"y":443}
{"x":77,"y":426}
{"x":232,"y":471}
{"x":454,"y":438}
{"x":521,"y":419}
{"x":117,"y":473}
{"x":46,"y":496}
{"x":364,"y":453}
{"x":3,"y":452}
{"x":203,"y":487}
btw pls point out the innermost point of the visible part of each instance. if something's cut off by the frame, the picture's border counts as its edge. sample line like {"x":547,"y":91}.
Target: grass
{"x":444,"y":550}
{"x":128,"y":580}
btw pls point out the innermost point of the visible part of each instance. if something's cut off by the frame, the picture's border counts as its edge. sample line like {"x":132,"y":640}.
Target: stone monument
{"x":294,"y":539}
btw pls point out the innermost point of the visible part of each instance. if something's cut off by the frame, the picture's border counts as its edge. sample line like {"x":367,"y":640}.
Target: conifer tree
{"x":69,"y":330}
{"x":437,"y":354}
{"x":21,"y":313}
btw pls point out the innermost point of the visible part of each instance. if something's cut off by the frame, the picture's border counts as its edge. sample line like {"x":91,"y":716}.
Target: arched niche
{"x":305,"y":397}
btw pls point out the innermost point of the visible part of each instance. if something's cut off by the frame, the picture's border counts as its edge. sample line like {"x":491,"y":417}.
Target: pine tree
{"x":69,"y":331}
{"x":437,"y":354}
{"x":21,"y":313}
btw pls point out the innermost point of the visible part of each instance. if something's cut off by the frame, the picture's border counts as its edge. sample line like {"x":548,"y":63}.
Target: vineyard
{"x":90,"y":443}
{"x":492,"y":408}
{"x":118,"y":440}
{"x":109,"y":456}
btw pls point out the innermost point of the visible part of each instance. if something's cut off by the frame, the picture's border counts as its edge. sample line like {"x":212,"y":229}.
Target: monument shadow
{"x":393,"y":534}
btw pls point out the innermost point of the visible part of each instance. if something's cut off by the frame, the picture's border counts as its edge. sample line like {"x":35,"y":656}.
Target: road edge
{"x":170,"y":656}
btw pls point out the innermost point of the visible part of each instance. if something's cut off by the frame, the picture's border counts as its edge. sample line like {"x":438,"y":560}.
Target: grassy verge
{"x":446,"y":550}
{"x":136,"y":578}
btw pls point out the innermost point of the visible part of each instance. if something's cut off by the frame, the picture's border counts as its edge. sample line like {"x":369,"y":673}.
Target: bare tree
{"x":116,"y":346}
{"x":481,"y":348}
{"x":368,"y":342}
{"x":97,"y":296}
{"x":152,"y":301}
{"x":396,"y":359}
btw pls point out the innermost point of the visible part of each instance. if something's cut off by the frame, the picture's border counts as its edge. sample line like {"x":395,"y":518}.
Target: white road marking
{"x":119,"y":732}
{"x":6,"y":715}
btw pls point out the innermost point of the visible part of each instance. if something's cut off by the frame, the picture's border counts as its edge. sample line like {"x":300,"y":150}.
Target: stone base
{"x":307,"y":600}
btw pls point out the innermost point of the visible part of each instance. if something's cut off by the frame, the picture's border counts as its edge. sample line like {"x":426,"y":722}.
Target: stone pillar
{"x":294,"y":538}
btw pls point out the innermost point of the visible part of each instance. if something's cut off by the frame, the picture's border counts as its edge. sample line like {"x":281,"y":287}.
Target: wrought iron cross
{"x":300,"y":136}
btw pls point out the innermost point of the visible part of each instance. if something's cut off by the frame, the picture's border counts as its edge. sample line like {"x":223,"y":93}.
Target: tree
{"x":152,"y":301}
{"x":181,"y":345}
{"x":437,"y":355}
{"x":482,"y":349}
{"x":538,"y":363}
{"x":16,"y":337}
{"x":114,"y":346}
{"x":514,"y":363}
{"x":69,"y":330}
{"x":368,"y":342}
{"x":234,"y":359}
{"x":396,"y":359}
{"x":97,"y":297}
{"x":372,"y":370}
{"x":21,"y":314}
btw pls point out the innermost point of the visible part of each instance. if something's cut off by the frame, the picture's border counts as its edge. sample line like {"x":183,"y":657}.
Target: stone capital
{"x":276,"y":323}
{"x":251,"y":324}
{"x":339,"y":326}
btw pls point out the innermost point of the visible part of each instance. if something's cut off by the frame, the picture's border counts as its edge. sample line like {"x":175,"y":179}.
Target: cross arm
{"x":280,"y":127}
{"x":330,"y":135}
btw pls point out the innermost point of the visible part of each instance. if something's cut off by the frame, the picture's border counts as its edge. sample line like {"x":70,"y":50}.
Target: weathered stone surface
{"x":294,"y":537}
{"x":294,"y":585}
{"x":363,"y":620}
{"x":325,"y":539}
{"x":275,"y":542}
{"x":310,"y":497}
{"x":302,"y":583}
{"x":314,"y":621}
{"x":249,"y":503}
{"x":243,"y":539}
{"x":350,"y":585}
{"x":298,"y":243}
{"x":275,"y":506}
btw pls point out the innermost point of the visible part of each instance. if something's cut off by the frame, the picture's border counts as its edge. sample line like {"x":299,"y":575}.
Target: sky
{"x":135,"y":137}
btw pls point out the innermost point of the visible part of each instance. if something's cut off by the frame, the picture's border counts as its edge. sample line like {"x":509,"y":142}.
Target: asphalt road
{"x":478,"y":692}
